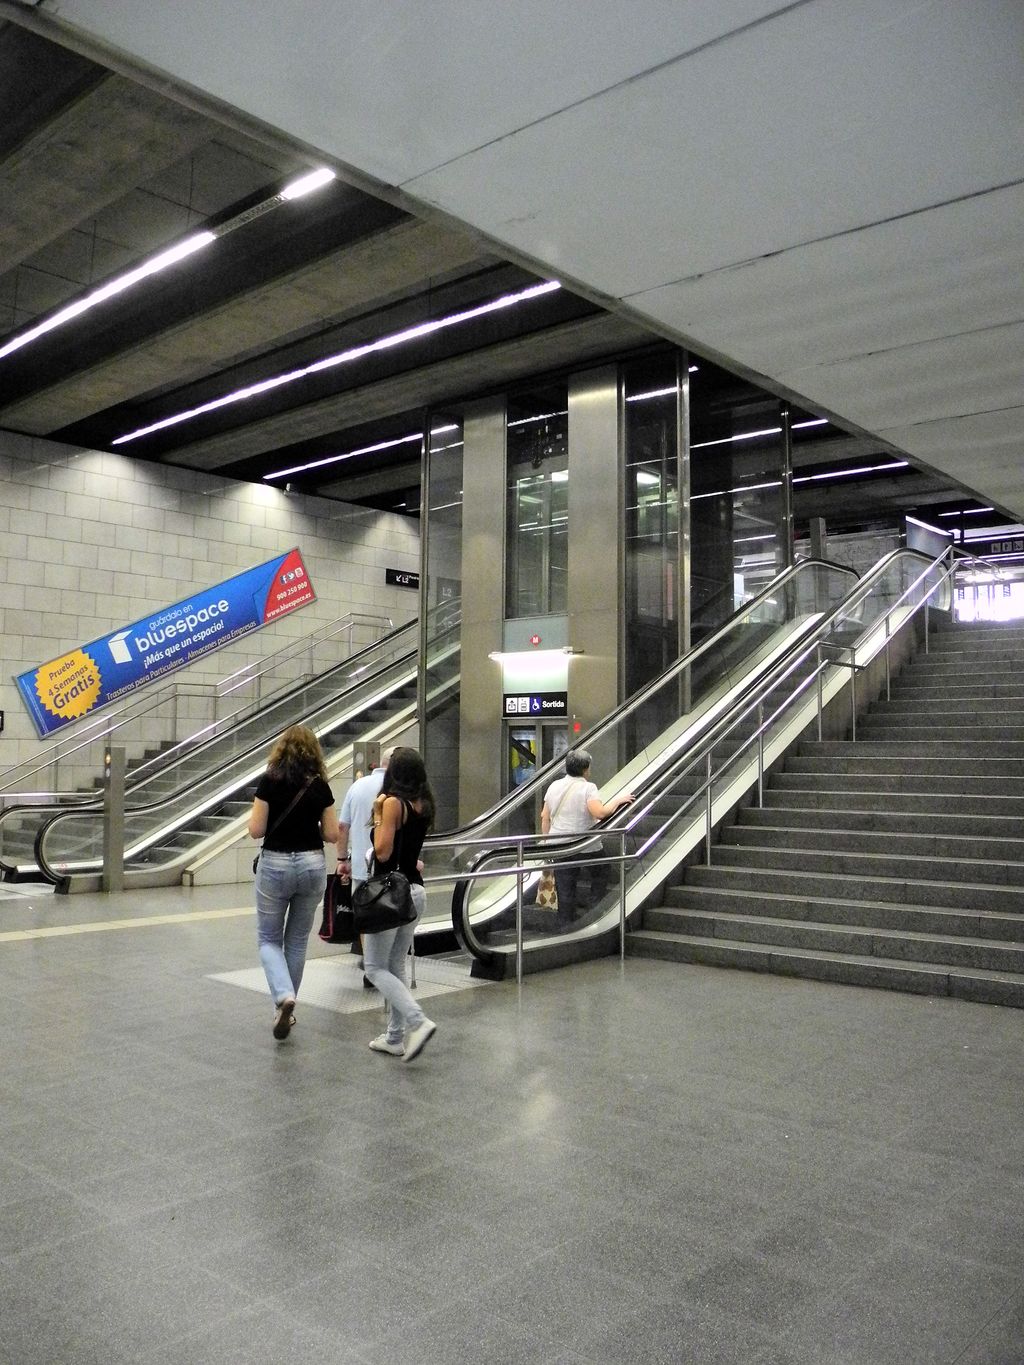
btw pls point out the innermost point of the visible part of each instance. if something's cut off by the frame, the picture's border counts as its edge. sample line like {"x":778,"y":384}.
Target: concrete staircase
{"x":894,"y":861}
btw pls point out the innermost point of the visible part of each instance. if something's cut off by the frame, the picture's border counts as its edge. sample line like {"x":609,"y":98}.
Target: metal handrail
{"x":132,"y":710}
{"x":259,"y":669}
{"x":542,"y":847}
{"x":639,"y":698}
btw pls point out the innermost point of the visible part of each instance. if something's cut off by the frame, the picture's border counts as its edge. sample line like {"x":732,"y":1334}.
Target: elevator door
{"x":529,"y":746}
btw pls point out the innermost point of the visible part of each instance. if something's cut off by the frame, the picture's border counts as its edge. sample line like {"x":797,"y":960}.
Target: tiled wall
{"x":90,"y":542}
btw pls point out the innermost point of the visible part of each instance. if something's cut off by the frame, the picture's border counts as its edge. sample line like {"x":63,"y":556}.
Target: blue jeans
{"x":289,"y":888}
{"x":384,"y":957}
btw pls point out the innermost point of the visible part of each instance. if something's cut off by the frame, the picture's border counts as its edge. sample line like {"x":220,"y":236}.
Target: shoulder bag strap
{"x":398,"y":835}
{"x":558,"y":803}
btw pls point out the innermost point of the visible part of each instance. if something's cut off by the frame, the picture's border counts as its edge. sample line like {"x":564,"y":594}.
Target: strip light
{"x":927,"y":526}
{"x":106,"y":291}
{"x":304,"y":185}
{"x":341,"y":358}
{"x":541,"y":417}
{"x":847,"y":473}
{"x":349,"y":455}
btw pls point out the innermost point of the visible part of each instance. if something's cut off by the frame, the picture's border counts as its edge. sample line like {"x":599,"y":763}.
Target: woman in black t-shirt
{"x":402,"y":814}
{"x":294,"y":815}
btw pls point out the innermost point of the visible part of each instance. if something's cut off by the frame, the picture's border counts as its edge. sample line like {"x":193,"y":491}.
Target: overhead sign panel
{"x":535,"y":704}
{"x":104,"y":670}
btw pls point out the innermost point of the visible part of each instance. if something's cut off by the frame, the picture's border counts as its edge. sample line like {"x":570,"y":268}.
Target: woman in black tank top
{"x":402,"y":814}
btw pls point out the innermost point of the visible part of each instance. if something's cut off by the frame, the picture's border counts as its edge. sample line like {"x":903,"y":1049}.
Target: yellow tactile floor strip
{"x":102,"y":926}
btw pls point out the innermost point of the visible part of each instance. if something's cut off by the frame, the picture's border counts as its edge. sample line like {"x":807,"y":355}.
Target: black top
{"x":299,"y":831}
{"x":408,"y":843}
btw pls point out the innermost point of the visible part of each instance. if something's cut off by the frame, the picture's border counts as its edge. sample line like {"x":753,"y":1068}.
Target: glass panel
{"x":537,"y":514}
{"x":650,"y":427}
{"x":522,"y":755}
{"x":442,"y":636}
{"x":737,"y":504}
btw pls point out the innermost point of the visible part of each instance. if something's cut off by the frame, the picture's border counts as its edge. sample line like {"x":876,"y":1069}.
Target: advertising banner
{"x":93,"y":675}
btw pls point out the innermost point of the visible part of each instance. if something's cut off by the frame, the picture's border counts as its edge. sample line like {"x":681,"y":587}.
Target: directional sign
{"x":539,"y":705}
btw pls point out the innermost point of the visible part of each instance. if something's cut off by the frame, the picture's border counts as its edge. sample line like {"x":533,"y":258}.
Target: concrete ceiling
{"x":826,"y":196}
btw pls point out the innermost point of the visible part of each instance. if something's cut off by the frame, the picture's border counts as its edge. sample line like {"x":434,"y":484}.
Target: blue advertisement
{"x":105,"y":670}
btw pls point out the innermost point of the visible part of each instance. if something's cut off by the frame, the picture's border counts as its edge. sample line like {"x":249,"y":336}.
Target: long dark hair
{"x":406,"y":777}
{"x":297,"y":756}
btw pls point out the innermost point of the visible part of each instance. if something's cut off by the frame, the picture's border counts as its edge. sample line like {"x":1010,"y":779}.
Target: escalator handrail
{"x":540,"y":847}
{"x":137,"y":707}
{"x":225,"y":686}
{"x":154,"y":768}
{"x":544,"y":773}
{"x":255,"y":754}
{"x":84,"y":801}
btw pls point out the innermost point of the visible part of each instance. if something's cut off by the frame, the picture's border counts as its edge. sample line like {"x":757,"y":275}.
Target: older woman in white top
{"x":572,"y":806}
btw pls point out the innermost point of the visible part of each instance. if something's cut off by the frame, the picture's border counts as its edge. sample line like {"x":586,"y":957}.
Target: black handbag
{"x":382,"y":902}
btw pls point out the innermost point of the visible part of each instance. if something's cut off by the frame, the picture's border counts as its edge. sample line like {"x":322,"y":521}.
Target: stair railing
{"x":806,"y":675}
{"x":121,"y":722}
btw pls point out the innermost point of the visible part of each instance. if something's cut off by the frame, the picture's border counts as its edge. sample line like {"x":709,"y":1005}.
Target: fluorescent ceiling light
{"x":929,"y":527}
{"x":747,"y":488}
{"x":541,"y":417}
{"x":740,"y":436}
{"x":968,"y":512}
{"x":766,"y":431}
{"x":653,"y":393}
{"x":847,"y":473}
{"x":645,"y":477}
{"x":995,"y":533}
{"x":349,"y":455}
{"x":341,"y":358}
{"x":559,"y":476}
{"x":306,"y":184}
{"x":118,"y":285}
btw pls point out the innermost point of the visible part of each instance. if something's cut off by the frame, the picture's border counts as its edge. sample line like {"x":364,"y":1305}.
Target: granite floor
{"x":638,"y":1163}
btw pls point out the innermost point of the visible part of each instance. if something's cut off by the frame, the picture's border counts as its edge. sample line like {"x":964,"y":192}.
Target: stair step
{"x":812,"y":782}
{"x":990,"y":987}
{"x":967,"y":702}
{"x":914,"y":731}
{"x":884,"y":816}
{"x":897,"y":763}
{"x":1001,"y":872}
{"x":967,"y":749}
{"x":929,"y":919}
{"x":895,"y":840}
{"x":899,"y":890}
{"x":898,"y":944}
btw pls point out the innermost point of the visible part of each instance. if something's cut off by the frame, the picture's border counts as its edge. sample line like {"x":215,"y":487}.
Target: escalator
{"x":184,"y":809}
{"x":631,"y":745}
{"x":690,"y":747}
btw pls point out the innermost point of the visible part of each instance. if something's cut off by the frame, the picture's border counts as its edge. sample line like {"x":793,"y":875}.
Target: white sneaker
{"x":381,"y":1044}
{"x":417,"y":1038}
